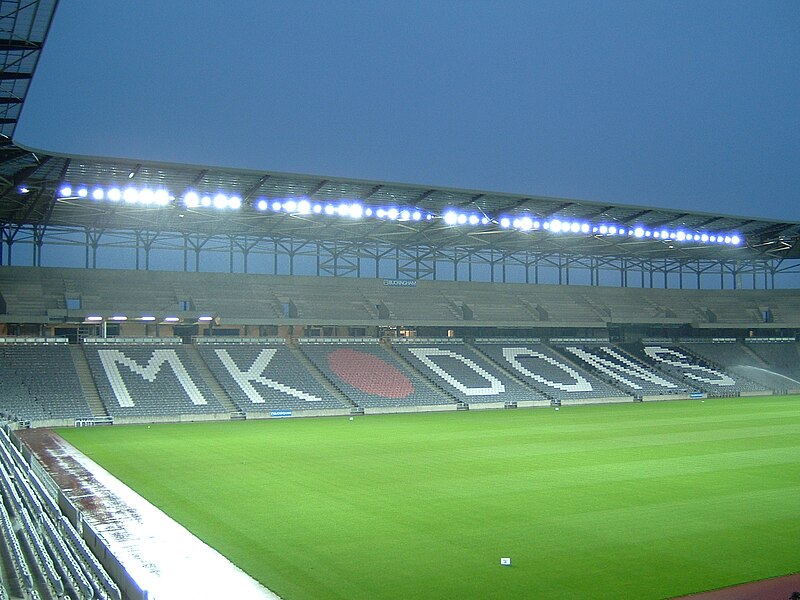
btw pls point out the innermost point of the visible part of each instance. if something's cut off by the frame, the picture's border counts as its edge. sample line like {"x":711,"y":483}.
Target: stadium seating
{"x":548,"y":372}
{"x":371,"y":376}
{"x":39,"y":382}
{"x":45,"y":563}
{"x":732,"y":357}
{"x":261,"y":377}
{"x":149,"y":381}
{"x":781,"y":357}
{"x":622,"y":370}
{"x":465,"y":374}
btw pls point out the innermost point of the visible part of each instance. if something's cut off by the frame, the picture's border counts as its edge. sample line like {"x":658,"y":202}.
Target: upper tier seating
{"x":138,"y":381}
{"x":371,"y":376}
{"x":263,"y":377}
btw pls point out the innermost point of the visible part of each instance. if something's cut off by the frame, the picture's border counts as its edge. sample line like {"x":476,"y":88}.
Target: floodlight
{"x":727,"y":239}
{"x":147,"y":318}
{"x":146,"y":196}
{"x":368,"y":212}
{"x":505,"y":222}
{"x":380,"y":213}
{"x":416,"y":215}
{"x":712,"y":238}
{"x":261,"y":205}
{"x":329,"y":210}
{"x":680,"y":236}
{"x":525,"y":224}
{"x":94,"y":318}
{"x":191,"y":199}
{"x":205,"y":318}
{"x":276,"y":206}
{"x":343,"y":210}
{"x":23,"y":190}
{"x":405,"y":215}
{"x":612,"y":230}
{"x":461,"y":219}
{"x":585,"y":228}
{"x":450,"y":218}
{"x":234,"y":203}
{"x":638,"y":232}
{"x":555,"y":225}
{"x":171,"y":319}
{"x":205,"y":201}
{"x":220,"y":201}
{"x":428,"y":217}
{"x":603,"y":229}
{"x":356,"y":211}
{"x":98,"y":194}
{"x":484,"y":220}
{"x":704,"y":237}
{"x":304,"y":207}
{"x":130,"y":195}
{"x":83,"y":192}
{"x":392,"y":213}
{"x":473,"y":219}
{"x":736,"y":240}
{"x":161,"y":197}
{"x":317,"y":209}
{"x":119,"y":318}
{"x":664,"y":234}
{"x":65,"y":191}
{"x":575,"y":227}
{"x":290,"y":206}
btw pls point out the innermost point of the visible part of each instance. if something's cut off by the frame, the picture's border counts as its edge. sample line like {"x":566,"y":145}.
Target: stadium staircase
{"x":294,"y":348}
{"x":87,"y":382}
{"x":386,"y":343}
{"x":237,"y":414}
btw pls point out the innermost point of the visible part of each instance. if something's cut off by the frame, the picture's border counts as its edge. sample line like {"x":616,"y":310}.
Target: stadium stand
{"x":371,"y":376}
{"x":43,"y":291}
{"x":467,"y":375}
{"x":684,"y":364}
{"x":154,"y":381}
{"x":771,"y":366}
{"x":622,"y":370}
{"x":551,"y":374}
{"x":46,"y":563}
{"x":780,"y":356}
{"x":261,"y":377}
{"x":38,"y":382}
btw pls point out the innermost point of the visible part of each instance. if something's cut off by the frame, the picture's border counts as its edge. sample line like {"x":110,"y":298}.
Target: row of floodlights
{"x":145,"y":318}
{"x":559,"y":226}
{"x":355,"y":210}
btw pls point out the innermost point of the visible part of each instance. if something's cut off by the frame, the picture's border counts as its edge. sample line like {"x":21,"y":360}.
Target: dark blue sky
{"x":690,"y":105}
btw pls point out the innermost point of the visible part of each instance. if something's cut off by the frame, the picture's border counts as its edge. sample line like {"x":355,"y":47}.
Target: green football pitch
{"x":614,"y":501}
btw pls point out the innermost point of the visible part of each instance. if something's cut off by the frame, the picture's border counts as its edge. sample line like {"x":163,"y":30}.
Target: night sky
{"x":687,"y":105}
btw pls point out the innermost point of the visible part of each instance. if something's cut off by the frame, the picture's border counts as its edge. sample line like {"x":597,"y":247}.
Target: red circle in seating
{"x":369,"y":373}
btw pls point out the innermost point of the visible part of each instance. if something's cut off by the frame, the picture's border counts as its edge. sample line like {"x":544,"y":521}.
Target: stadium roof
{"x":43,"y":189}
